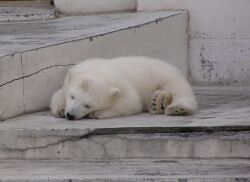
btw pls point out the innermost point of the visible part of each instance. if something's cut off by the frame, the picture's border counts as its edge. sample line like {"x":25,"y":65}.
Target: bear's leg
{"x":159,"y":101}
{"x":104,"y":114}
{"x":58,"y":104}
{"x":128,"y":103}
{"x":120,"y":109}
{"x":183,"y":100}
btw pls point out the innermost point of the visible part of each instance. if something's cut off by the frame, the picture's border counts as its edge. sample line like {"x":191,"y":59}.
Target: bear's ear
{"x":114,"y":91}
{"x":68,"y":77}
{"x":85,"y":83}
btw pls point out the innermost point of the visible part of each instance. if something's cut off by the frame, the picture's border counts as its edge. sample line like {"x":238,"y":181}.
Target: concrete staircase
{"x":211,"y":146}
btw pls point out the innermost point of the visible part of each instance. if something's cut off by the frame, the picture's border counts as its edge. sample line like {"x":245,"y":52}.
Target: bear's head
{"x":84,"y":94}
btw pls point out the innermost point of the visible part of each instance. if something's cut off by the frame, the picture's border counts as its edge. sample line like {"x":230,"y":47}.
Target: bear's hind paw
{"x":179,"y":108}
{"x":159,"y":101}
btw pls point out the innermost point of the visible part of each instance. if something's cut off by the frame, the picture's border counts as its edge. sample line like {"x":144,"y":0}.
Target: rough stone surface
{"x":139,"y":170}
{"x":220,"y":129}
{"x":48,"y":48}
{"x":14,"y":14}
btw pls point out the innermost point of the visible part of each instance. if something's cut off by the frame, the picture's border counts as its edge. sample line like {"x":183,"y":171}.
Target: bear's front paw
{"x":159,"y":101}
{"x":59,"y":112}
{"x":93,"y":115}
{"x":104,"y":114}
{"x":57,"y":104}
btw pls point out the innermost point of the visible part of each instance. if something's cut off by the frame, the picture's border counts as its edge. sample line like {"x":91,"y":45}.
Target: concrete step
{"x":220,"y":129}
{"x":176,"y":170}
{"x":94,"y":6}
{"x":36,"y":55}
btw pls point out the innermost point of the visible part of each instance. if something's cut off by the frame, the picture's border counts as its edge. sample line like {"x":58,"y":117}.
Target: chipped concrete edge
{"x":76,"y":134}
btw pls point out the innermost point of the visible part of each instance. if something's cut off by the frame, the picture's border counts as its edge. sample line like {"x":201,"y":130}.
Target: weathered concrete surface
{"x":48,"y":48}
{"x":219,"y":33}
{"x":26,"y":3}
{"x":73,"y":7}
{"x":14,"y":14}
{"x":127,"y":171}
{"x":220,"y":129}
{"x":85,"y":144}
{"x":19,"y":37}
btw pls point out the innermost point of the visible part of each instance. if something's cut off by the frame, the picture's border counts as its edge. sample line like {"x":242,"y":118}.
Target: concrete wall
{"x":219,"y":38}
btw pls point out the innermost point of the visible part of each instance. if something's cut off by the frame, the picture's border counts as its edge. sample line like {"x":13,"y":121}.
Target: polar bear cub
{"x":100,"y":88}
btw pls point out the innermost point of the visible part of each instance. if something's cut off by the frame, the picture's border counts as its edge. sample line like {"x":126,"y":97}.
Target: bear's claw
{"x":61,"y":113}
{"x":159,"y":101}
{"x":176,"y":110}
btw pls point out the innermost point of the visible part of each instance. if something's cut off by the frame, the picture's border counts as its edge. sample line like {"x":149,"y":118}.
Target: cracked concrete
{"x":53,"y":143}
{"x":123,"y":146}
{"x":32,"y":74}
{"x":48,"y":48}
{"x":22,"y":86}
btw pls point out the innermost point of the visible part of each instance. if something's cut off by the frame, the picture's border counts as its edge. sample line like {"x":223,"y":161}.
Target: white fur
{"x":121,"y":86}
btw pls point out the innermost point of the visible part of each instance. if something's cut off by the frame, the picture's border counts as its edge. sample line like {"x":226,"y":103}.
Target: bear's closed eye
{"x":87,"y":106}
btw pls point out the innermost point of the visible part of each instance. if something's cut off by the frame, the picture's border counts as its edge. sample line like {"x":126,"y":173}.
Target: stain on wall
{"x":219,"y":35}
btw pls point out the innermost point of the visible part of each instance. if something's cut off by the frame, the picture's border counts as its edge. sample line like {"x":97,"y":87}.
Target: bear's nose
{"x":70,"y":116}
